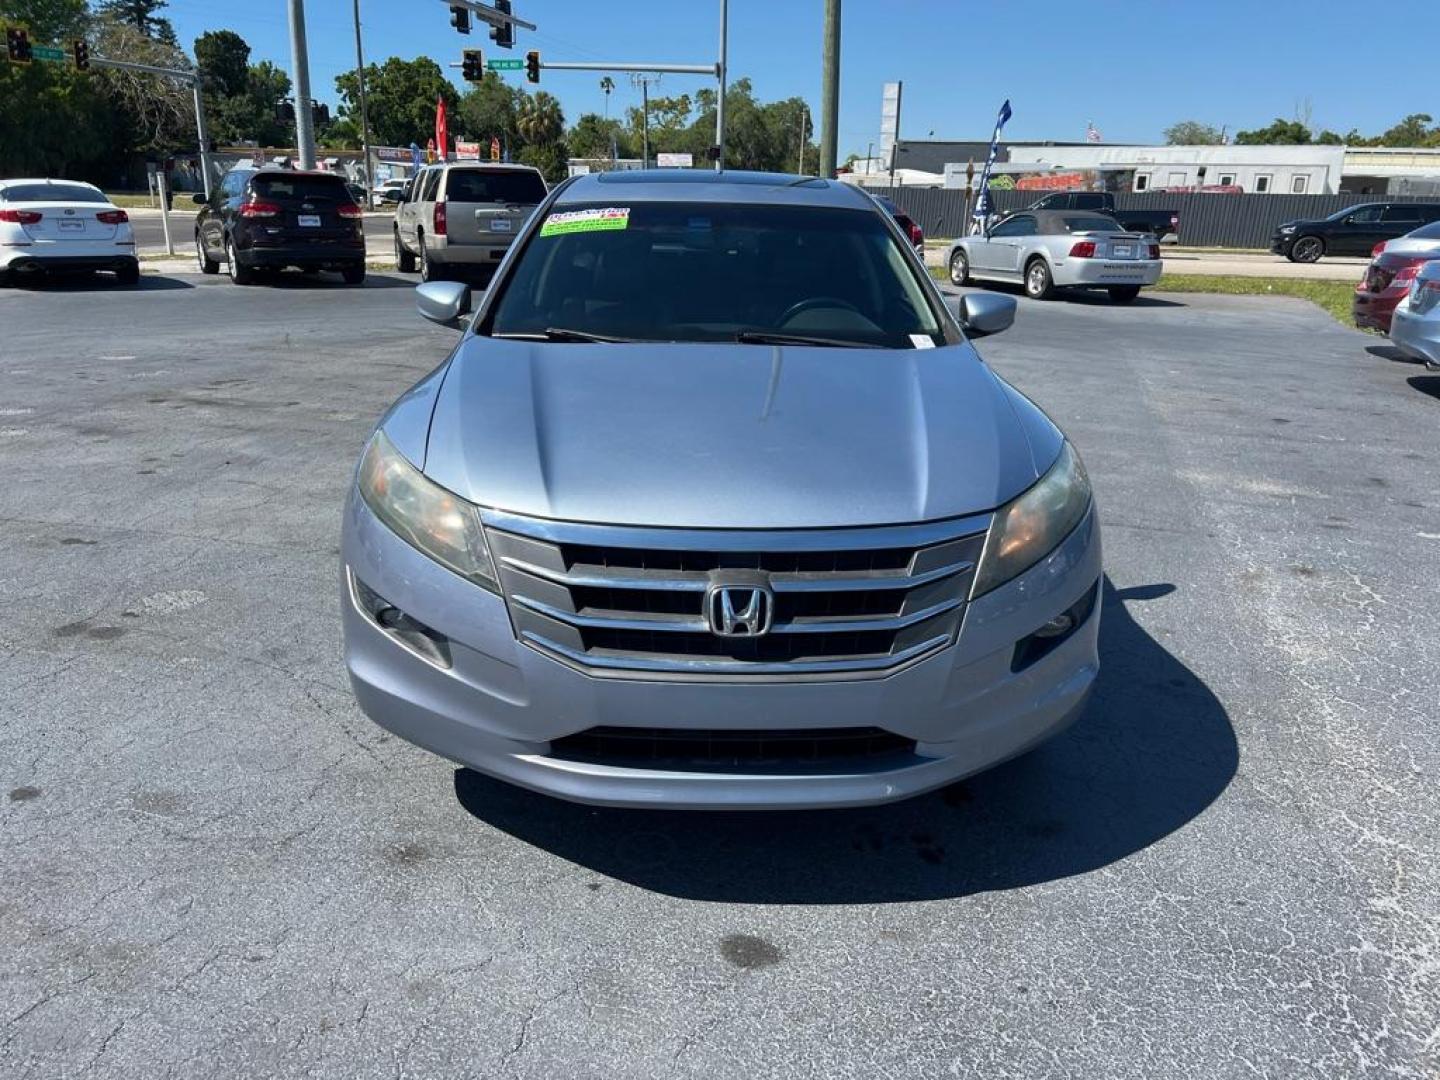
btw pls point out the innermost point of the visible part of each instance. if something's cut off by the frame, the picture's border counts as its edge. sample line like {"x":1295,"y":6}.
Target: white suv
{"x":463,"y":214}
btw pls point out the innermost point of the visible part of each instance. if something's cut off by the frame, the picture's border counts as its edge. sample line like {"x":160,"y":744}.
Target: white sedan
{"x":63,"y":225}
{"x":1045,"y":250}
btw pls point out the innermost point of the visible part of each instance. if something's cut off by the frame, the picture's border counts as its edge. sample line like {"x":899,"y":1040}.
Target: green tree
{"x":400,"y":97}
{"x":593,"y":136}
{"x":1280,"y":133}
{"x":223,"y":57}
{"x":539,"y":119}
{"x":143,"y":15}
{"x":48,"y":20}
{"x":489,"y":109}
{"x":159,"y":115}
{"x":1329,"y":138}
{"x":1192,"y":133}
{"x":1414,"y":130}
{"x":607,"y":85}
{"x":549,"y":158}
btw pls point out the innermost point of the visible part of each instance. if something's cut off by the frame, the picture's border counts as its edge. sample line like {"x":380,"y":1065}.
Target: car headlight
{"x":1287,"y":228}
{"x":425,"y":515}
{"x":1028,"y":528}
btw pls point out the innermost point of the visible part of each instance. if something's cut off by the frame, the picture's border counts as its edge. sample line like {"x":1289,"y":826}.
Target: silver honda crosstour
{"x":715,"y":505}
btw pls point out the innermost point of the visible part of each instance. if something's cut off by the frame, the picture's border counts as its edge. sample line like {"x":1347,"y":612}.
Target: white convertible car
{"x":66,"y":226}
{"x":1045,"y":250}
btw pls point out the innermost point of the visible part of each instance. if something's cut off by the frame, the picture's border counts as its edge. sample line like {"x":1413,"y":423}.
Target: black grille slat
{"x":782,"y":562}
{"x":713,"y":750}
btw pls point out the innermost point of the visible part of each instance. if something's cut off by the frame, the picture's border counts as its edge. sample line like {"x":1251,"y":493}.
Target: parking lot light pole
{"x":300,"y":62}
{"x":364,"y":116}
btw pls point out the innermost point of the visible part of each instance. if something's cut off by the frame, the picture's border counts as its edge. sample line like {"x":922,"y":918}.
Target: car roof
{"x":494,"y":166}
{"x":703,"y":185}
{"x":17,"y":180}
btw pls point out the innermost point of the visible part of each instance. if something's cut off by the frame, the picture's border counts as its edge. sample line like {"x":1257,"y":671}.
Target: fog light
{"x":1060,"y":624}
{"x":1041,"y":642}
{"x":410,"y":632}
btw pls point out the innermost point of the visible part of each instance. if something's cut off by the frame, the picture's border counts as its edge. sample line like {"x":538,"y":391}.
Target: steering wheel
{"x":815,"y":302}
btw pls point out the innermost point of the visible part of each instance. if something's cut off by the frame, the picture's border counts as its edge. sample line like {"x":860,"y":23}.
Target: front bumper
{"x":1281,"y":245}
{"x":499,"y":705}
{"x":1105,"y":273}
{"x":1417,"y":336}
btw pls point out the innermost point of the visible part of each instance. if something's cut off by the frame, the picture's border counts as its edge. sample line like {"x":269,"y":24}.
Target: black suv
{"x":273,"y":218}
{"x":1352,"y":231}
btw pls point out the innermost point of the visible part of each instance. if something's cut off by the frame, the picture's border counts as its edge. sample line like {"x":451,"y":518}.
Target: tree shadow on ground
{"x":1151,"y":752}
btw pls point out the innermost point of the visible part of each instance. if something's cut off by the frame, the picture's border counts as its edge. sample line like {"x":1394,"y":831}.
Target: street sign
{"x":45,"y":52}
{"x":504,"y":65}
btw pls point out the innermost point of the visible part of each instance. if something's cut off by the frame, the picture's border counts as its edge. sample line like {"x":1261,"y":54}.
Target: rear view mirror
{"x":444,"y":302}
{"x":982,"y":313}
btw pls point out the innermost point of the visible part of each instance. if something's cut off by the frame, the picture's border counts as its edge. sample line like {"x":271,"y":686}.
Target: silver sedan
{"x":1045,"y":250}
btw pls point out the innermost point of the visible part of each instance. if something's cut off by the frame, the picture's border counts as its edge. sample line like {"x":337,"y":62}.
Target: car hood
{"x":732,"y":436}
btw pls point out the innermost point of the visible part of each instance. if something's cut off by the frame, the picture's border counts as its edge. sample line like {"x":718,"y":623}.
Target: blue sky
{"x":1239,"y":63}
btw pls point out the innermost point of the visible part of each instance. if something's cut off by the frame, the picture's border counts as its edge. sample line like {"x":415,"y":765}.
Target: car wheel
{"x":1307,"y":249}
{"x":207,"y":265}
{"x":1123,"y":294}
{"x":404,"y":261}
{"x":428,"y":270}
{"x":1039,"y":283}
{"x":240,"y":275}
{"x":354,"y":275}
{"x":959,"y":268}
{"x":129,"y":273}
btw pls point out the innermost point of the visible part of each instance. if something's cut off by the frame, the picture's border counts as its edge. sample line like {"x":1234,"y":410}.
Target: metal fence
{"x":1206,"y":220}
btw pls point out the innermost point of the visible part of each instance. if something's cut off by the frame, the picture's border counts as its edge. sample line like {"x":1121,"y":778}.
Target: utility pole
{"x":643,"y":81}
{"x":364,"y":117}
{"x":804,"y":121}
{"x":830,"y":89}
{"x":720,"y":75}
{"x":300,"y":62}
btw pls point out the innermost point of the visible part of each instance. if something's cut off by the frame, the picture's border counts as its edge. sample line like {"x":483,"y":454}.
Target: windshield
{"x":679,"y":271}
{"x":52,"y":193}
{"x":472,"y":185}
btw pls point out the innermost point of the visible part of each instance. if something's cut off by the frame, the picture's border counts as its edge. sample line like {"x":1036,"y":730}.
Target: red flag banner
{"x":442,"y":134}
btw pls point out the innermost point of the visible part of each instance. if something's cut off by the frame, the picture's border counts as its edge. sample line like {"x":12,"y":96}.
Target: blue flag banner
{"x":982,"y":203}
{"x":417,"y":158}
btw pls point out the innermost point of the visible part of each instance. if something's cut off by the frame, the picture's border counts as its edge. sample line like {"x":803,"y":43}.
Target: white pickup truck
{"x":463,"y":214}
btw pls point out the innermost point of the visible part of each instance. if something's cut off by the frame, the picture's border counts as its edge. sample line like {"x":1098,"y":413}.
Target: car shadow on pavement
{"x":293,"y":279}
{"x":1426,"y":384}
{"x":1391,"y":353}
{"x":1151,"y":752}
{"x":97,"y":283}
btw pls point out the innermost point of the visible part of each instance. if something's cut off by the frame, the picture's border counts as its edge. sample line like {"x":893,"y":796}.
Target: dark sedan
{"x":271,"y":219}
{"x":1354,"y":230}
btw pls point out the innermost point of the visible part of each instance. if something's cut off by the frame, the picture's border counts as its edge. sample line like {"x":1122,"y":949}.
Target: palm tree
{"x":539,"y":119}
{"x":607,"y":84}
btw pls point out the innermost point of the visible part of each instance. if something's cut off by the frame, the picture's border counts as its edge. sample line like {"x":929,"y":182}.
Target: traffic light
{"x":284,"y":112}
{"x":17,"y":41}
{"x":472,"y":65}
{"x":532,"y":66}
{"x":82,"y":56}
{"x":460,"y":18}
{"x":504,"y":36}
{"x":319,"y":113}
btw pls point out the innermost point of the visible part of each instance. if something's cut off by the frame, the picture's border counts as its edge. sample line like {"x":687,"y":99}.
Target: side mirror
{"x":199,"y":199}
{"x":446,"y":302}
{"x":980,"y":314}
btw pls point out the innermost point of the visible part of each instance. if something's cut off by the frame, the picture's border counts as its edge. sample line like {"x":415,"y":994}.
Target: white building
{"x":1288,"y":170}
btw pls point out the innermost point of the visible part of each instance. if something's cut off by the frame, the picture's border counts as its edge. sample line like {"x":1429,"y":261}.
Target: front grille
{"x":845,"y":601}
{"x":707,"y":750}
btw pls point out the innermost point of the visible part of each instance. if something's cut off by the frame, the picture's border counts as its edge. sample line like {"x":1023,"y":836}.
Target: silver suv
{"x":463,"y":214}
{"x":714,"y":505}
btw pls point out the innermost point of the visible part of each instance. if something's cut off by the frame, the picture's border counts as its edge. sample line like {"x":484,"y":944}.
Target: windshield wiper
{"x":561,"y":333}
{"x":769,"y":337}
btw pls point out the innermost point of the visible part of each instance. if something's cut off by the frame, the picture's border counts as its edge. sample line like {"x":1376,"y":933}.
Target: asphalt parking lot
{"x":215,"y":866}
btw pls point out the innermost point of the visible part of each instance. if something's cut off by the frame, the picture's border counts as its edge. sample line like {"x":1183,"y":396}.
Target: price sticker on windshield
{"x":605,"y":219}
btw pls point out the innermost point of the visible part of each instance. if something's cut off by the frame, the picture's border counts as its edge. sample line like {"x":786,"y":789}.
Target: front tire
{"x":1123,"y":294}
{"x":207,"y":265}
{"x":404,"y":260}
{"x":1039,"y":282}
{"x":1307,"y":249}
{"x":959,"y":268}
{"x":354,"y":275}
{"x":240,"y":275}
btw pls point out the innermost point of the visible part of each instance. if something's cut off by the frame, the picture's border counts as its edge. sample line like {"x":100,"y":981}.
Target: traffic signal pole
{"x":300,"y":62}
{"x":720,"y":76}
{"x":190,"y":78}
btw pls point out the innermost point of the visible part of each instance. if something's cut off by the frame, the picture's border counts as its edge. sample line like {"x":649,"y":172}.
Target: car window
{"x":1401,"y":214}
{"x":432,"y":181}
{"x":1092,"y":223}
{"x":508,"y":186}
{"x":1366,"y":215}
{"x":1024,"y":225}
{"x":694,"y":272}
{"x":310,"y":188}
{"x":52,"y":192}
